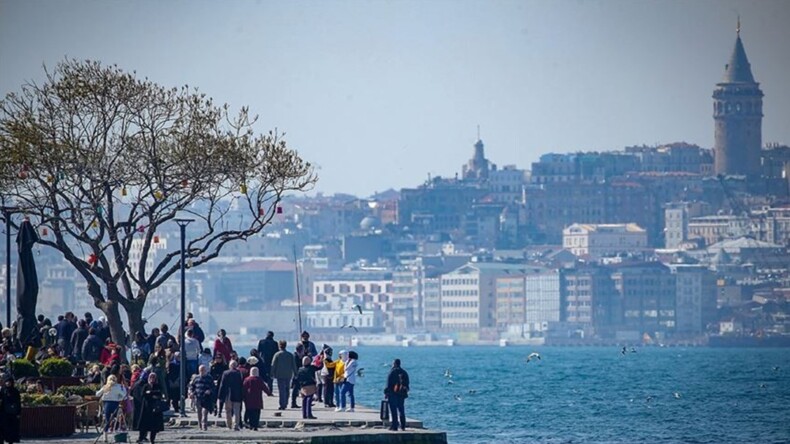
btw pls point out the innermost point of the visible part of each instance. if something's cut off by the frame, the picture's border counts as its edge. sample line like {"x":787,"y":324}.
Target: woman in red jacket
{"x":222,"y":345}
{"x":254,"y":388}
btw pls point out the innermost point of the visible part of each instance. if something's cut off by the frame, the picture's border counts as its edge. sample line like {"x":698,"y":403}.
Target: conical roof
{"x":738,"y":70}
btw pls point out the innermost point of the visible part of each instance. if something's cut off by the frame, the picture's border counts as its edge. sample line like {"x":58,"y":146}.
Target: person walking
{"x":10,"y":411}
{"x":305,"y":380}
{"x":205,"y":393}
{"x":231,"y":391}
{"x":192,"y":351}
{"x":254,"y":388}
{"x":283,"y":370}
{"x":349,"y":380}
{"x":299,"y":353}
{"x":111,"y":393}
{"x":396,"y":392}
{"x":267,"y":348}
{"x":151,"y":420}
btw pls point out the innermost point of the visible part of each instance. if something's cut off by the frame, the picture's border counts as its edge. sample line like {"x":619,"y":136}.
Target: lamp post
{"x":182,"y":224}
{"x":7,"y":218}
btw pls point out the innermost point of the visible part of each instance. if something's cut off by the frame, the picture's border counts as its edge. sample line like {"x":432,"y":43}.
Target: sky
{"x":382,"y":94}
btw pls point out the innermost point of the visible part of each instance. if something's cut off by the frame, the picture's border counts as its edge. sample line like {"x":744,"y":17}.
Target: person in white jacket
{"x":350,"y":379}
{"x":112,"y":393}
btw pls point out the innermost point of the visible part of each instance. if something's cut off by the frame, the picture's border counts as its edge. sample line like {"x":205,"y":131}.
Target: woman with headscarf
{"x":305,"y":379}
{"x":111,"y":393}
{"x":152,"y":406}
{"x":254,"y":388}
{"x":10,"y":411}
{"x":218,"y":367}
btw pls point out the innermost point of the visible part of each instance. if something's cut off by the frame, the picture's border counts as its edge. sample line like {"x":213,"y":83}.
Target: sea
{"x":479,"y":394}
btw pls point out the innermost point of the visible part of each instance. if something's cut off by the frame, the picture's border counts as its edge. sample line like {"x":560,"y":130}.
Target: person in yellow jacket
{"x":340,"y":369}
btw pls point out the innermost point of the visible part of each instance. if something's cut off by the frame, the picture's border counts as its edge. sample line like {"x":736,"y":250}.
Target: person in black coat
{"x":396,"y":392}
{"x":10,"y":411}
{"x":77,"y":339}
{"x":267,"y":347}
{"x":152,"y":404}
{"x":231,"y":391}
{"x":92,"y":347}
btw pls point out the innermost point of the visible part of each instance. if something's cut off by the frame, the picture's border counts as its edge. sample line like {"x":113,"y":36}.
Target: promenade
{"x":330,"y":427}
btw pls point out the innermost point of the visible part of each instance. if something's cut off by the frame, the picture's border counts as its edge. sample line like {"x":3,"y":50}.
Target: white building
{"x":542,"y":301}
{"x":468,"y":295}
{"x":600,"y":240}
{"x":372,"y":290}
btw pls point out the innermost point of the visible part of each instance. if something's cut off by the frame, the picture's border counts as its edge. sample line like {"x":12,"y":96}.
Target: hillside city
{"x":666,"y":244}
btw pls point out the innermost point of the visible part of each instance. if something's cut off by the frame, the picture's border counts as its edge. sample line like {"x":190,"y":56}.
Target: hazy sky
{"x":379,"y":94}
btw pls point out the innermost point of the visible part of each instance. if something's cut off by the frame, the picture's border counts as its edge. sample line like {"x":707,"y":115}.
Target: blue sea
{"x":591,"y":394}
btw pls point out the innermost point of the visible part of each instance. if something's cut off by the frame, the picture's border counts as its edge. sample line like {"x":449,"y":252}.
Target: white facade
{"x":507,"y":184}
{"x":599,"y":240}
{"x":468,"y":295}
{"x":371,"y":290}
{"x":542,"y":299}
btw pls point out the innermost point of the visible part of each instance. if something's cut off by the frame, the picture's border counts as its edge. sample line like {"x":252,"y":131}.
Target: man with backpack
{"x":396,"y":392}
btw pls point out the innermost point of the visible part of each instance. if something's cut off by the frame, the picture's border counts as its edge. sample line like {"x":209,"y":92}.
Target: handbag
{"x":308,"y":390}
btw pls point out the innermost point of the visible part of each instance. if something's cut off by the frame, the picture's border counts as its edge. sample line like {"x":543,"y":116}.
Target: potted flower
{"x":56,"y":372}
{"x":22,"y":368}
{"x":46,"y":416}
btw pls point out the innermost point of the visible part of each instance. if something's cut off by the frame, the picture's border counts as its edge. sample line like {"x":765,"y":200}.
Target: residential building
{"x":600,"y":240}
{"x":695,"y":294}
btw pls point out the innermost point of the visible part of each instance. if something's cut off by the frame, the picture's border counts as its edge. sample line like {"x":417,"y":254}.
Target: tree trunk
{"x":134,"y":313}
{"x":110,"y":309}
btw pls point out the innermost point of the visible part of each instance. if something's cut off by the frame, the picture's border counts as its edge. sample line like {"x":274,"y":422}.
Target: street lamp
{"x":182,"y":224}
{"x":7,"y":218}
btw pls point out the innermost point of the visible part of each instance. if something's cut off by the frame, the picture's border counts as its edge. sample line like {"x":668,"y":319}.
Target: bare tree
{"x":101,"y":160}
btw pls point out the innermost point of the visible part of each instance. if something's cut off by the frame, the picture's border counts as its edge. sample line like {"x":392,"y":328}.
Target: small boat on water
{"x":503,"y":342}
{"x":450,"y":342}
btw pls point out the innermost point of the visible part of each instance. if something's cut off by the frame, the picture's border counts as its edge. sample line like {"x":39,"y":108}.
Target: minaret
{"x":738,"y":116}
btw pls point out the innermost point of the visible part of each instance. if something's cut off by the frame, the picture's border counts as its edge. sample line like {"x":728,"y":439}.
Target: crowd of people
{"x":220,"y":380}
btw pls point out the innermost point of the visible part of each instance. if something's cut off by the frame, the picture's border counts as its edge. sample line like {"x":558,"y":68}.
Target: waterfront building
{"x":647,"y":294}
{"x":600,"y":240}
{"x":738,"y":115}
{"x":589,"y":299}
{"x":695,"y":293}
{"x":370,"y":289}
{"x":468,"y":295}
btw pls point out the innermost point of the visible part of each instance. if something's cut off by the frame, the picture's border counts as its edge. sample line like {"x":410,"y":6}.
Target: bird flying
{"x":358,"y":308}
{"x":623,"y":351}
{"x":448,"y":373}
{"x":361,"y":373}
{"x":533,"y":355}
{"x":677,"y":395}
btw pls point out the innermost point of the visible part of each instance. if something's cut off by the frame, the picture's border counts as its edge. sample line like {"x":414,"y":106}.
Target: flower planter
{"x":47,"y":421}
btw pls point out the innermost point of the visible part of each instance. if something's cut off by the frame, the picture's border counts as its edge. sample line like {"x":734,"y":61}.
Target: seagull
{"x":633,"y":350}
{"x":776,"y":368}
{"x":457,"y":397}
{"x":351,"y":326}
{"x":450,"y":381}
{"x":532,"y":356}
{"x":677,"y":395}
{"x":448,"y":373}
{"x":622,"y":352}
{"x":358,"y":308}
{"x":361,"y":373}
{"x":472,"y":392}
{"x":762,"y":385}
{"x":649,"y":398}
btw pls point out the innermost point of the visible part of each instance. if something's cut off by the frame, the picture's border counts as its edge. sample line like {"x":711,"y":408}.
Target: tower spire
{"x":738,"y":26}
{"x":478,"y":132}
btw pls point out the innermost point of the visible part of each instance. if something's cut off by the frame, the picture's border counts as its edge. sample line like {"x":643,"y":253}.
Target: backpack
{"x":401,"y":388}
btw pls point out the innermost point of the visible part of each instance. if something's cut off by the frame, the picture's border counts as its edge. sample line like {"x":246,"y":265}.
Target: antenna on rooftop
{"x":738,"y":26}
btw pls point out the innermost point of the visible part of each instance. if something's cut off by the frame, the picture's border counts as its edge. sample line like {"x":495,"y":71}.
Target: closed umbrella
{"x":26,"y":285}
